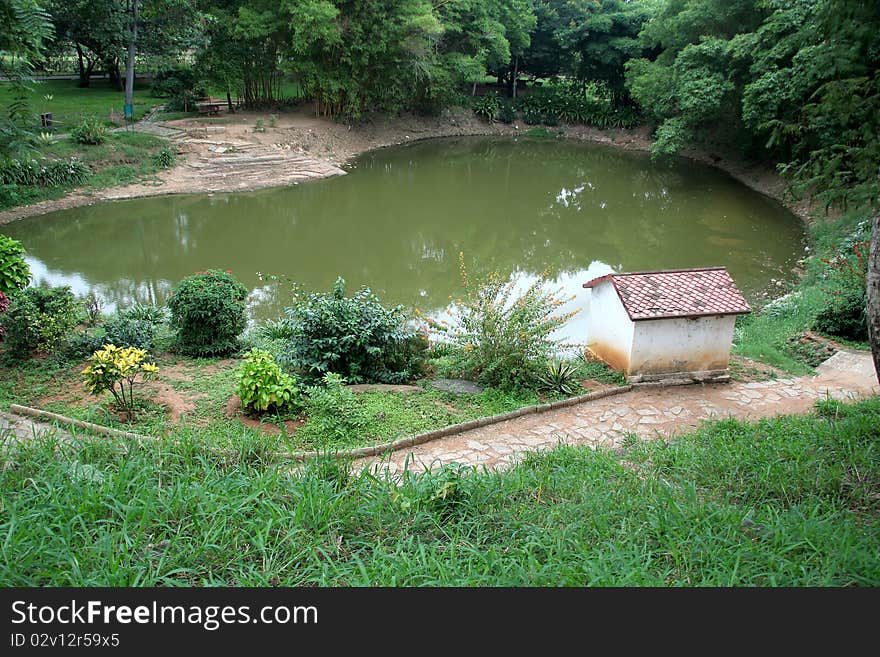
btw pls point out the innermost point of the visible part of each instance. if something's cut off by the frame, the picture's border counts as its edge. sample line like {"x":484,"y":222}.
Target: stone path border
{"x":603,"y":418}
{"x":370,"y":450}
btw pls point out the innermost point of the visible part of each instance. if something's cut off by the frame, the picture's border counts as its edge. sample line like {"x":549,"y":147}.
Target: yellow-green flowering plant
{"x":111,"y":368}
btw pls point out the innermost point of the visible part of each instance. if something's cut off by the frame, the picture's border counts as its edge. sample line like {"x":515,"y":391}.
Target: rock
{"x":383,"y":387}
{"x":457,"y":386}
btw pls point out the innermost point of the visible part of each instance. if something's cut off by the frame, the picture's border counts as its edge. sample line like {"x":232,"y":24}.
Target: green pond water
{"x":398,"y":221}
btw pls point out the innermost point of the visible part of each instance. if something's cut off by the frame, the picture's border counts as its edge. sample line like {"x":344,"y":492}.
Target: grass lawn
{"x":125,"y":157}
{"x":70,"y":102}
{"x":197,"y":393}
{"x":784,"y":502}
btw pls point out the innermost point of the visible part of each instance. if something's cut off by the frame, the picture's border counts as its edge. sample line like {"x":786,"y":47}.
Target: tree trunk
{"x":129,"y":64}
{"x":229,"y":102}
{"x":85,"y":70}
{"x":514,"y":77}
{"x":114,"y":77}
{"x":873,"y":294}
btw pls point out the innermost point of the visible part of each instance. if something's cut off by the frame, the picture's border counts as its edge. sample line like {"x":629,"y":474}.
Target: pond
{"x":399,"y":220}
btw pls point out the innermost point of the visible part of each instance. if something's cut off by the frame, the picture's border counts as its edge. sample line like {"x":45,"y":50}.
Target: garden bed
{"x":200,"y":394}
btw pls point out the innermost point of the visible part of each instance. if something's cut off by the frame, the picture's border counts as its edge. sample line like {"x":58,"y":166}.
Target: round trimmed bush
{"x":208,"y":313}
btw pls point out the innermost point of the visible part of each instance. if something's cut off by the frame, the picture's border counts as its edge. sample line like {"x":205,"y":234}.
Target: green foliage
{"x":575,"y":102}
{"x":507,"y":112}
{"x":844,"y":314}
{"x":5,"y":302}
{"x":559,"y":376}
{"x":112,"y":367}
{"x":208,"y":313}
{"x":165,"y":158}
{"x":124,"y":331}
{"x":43,"y":173}
{"x":781,"y":502}
{"x":39,"y":319}
{"x":335,"y":417}
{"x":14,"y":271}
{"x":180,"y":85}
{"x":355,"y":337}
{"x":487,"y":106}
{"x":262,"y":386}
{"x":89,"y":131}
{"x":503,"y":340}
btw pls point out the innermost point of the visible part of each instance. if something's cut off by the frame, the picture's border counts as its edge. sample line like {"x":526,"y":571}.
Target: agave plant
{"x":559,"y":376}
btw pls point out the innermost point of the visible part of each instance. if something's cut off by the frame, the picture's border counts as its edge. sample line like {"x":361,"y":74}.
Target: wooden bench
{"x":208,"y":108}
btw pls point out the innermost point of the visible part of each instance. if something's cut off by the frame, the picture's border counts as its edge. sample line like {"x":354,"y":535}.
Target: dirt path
{"x":647,"y":412}
{"x":232,"y":153}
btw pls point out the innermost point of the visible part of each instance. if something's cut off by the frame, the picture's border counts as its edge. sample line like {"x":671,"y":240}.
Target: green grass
{"x":69,"y":102}
{"x":126,"y":157}
{"x":784,"y":502}
{"x":766,"y":335}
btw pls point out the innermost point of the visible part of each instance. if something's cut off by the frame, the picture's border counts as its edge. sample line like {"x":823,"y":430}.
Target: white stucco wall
{"x":609,"y":328}
{"x":681,"y":345}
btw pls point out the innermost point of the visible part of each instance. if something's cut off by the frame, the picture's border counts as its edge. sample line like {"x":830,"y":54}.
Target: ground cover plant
{"x":789,"y":501}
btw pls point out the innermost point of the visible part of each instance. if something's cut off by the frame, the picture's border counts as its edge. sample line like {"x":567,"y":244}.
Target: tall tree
{"x":24,"y":32}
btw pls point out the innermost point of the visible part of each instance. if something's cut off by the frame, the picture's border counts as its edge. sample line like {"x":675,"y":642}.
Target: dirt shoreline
{"x":232,"y":154}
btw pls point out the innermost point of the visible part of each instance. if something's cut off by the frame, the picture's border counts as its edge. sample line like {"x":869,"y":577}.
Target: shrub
{"x":180,"y":85}
{"x":14,"y":271}
{"x":262,"y":386}
{"x":92,"y":306}
{"x":165,"y":158}
{"x":334,"y":413}
{"x":208,"y":313}
{"x":503,"y":341}
{"x":89,"y":131}
{"x":355,"y":337}
{"x":507,"y":112}
{"x":83,"y":344}
{"x":4,"y":306}
{"x":43,"y":173}
{"x":559,"y":376}
{"x":487,"y":106}
{"x":111,"y":368}
{"x":845,"y":314}
{"x":124,"y":331}
{"x":40,"y":319}
{"x":154,"y":314}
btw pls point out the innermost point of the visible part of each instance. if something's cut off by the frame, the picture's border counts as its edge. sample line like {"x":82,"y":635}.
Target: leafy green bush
{"x":124,"y":331}
{"x":14,"y":271}
{"x":845,"y":313}
{"x":40,"y":319}
{"x":4,"y":306}
{"x":334,"y":414}
{"x":180,"y":85}
{"x":89,"y":131}
{"x":502,"y":340}
{"x":111,"y":367}
{"x":355,"y":337}
{"x":165,"y":158}
{"x":574,"y":102}
{"x":507,"y":112}
{"x":262,"y":386}
{"x":487,"y":106}
{"x":559,"y":376}
{"x":145,"y":312}
{"x":208,"y":313}
{"x":43,"y":173}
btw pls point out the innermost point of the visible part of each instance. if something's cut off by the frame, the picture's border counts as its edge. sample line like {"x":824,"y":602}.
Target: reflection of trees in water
{"x":398,"y":222}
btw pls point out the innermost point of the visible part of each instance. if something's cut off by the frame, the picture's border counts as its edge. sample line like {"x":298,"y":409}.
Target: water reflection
{"x":399,"y":220}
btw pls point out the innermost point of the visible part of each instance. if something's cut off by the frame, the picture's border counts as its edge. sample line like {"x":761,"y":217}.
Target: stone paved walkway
{"x":648,"y":412}
{"x":25,"y":428}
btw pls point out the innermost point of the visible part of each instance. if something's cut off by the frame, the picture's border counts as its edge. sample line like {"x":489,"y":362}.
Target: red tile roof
{"x":682,"y":293}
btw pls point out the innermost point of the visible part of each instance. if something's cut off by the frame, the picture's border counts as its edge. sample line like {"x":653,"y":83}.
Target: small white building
{"x":665,"y":324}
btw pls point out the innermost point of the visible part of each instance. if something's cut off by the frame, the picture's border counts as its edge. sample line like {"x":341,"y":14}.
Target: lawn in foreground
{"x":791,"y":501}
